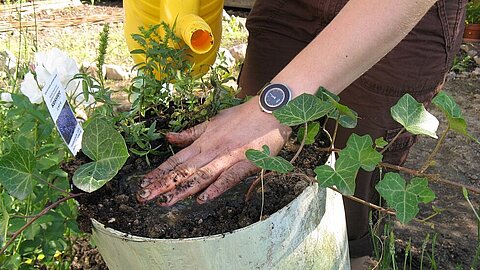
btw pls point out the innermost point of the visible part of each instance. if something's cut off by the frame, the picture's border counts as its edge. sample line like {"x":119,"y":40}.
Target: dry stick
{"x":263,"y":195}
{"x":432,"y":177}
{"x":392,"y":141}
{"x":43,"y":212}
{"x":353,"y":198}
{"x":302,"y":144}
{"x":253,"y":185}
{"x":435,"y":150}
{"x":371,"y":205}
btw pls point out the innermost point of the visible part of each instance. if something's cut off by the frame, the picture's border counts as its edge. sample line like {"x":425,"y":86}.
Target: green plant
{"x":473,"y":12}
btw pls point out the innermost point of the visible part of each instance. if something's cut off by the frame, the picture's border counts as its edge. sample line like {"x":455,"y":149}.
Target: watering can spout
{"x":195,"y":32}
{"x":197,"y":22}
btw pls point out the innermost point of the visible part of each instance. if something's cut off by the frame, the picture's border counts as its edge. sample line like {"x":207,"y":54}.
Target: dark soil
{"x":115,"y":204}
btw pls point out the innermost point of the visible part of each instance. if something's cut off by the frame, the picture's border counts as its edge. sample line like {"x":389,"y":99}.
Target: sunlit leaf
{"x":312,"y":132}
{"x":414,"y":117}
{"x":302,"y":109}
{"x":453,"y":113}
{"x":343,"y":176}
{"x":16,"y":169}
{"x":359,"y":148}
{"x":345,"y":116}
{"x":263,"y":160}
{"x":106,"y":147}
{"x":402,"y":197}
{"x":380,"y":142}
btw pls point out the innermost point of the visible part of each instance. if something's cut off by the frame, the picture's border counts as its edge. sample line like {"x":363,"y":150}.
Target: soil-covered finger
{"x":228,"y":179}
{"x":187,"y":137}
{"x":170,"y":164}
{"x":194,"y":184}
{"x":175,"y":178}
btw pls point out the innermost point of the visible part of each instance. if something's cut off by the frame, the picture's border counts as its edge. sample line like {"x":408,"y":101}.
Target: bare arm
{"x":360,"y":35}
{"x":215,"y":160}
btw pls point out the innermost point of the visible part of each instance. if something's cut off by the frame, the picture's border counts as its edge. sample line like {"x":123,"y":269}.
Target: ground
{"x":456,"y":228}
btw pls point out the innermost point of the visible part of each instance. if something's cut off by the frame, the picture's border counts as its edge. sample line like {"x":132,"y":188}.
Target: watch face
{"x":274,"y":96}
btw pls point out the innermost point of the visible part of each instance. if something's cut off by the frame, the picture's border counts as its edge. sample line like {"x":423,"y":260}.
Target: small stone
{"x":472,"y":52}
{"x":238,"y":52}
{"x":465,"y":47}
{"x":200,"y":221}
{"x":476,"y":71}
{"x":477,"y":59}
{"x":115,"y":72}
{"x":136,"y":222}
{"x":112,"y":220}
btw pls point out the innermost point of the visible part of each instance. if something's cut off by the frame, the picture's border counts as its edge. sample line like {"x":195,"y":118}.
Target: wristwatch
{"x":274,"y":96}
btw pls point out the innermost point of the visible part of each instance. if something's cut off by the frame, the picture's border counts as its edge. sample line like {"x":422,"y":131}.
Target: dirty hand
{"x":214,"y":160}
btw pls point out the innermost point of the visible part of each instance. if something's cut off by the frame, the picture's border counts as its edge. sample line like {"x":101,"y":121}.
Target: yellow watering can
{"x":198,"y":24}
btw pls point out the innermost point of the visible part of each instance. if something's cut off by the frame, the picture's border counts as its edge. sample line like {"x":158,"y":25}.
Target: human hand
{"x":214,"y":160}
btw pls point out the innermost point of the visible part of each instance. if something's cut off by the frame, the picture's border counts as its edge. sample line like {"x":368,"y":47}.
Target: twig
{"x":392,"y":141}
{"x":43,"y":212}
{"x":302,"y":144}
{"x":431,"y":177}
{"x":435,"y":150}
{"x":253,"y":185}
{"x":371,"y":205}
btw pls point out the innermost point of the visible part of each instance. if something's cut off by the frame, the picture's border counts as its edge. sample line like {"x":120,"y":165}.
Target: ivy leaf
{"x":16,"y":171}
{"x":404,"y":198}
{"x":359,"y":148}
{"x":453,"y":113}
{"x":302,"y":109}
{"x":343,"y":176}
{"x":106,"y":147}
{"x":345,"y":116}
{"x":380,"y":142}
{"x":4,"y":219}
{"x":312,"y":132}
{"x":414,"y":117}
{"x":263,"y":160}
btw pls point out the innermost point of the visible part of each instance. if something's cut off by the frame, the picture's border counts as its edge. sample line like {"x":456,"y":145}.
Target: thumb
{"x":188,"y":136}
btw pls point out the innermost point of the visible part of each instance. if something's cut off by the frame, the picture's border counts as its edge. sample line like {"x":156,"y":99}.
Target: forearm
{"x":360,"y":35}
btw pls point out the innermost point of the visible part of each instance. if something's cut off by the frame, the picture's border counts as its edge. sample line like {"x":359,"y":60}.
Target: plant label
{"x":62,"y":114}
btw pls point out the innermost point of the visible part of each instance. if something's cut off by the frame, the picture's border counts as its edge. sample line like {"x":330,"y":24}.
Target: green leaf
{"x":343,"y":177}
{"x":419,"y":186}
{"x":106,"y":147}
{"x":4,"y":222}
{"x":312,"y":131}
{"x":267,"y":162}
{"x":414,"y":117}
{"x":453,"y":113}
{"x":16,"y":169}
{"x":345,"y":116}
{"x":380,"y":142}
{"x":302,"y":109}
{"x":359,"y":148}
{"x":404,"y":198}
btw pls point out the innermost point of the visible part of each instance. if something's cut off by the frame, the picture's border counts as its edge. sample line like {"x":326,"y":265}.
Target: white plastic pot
{"x":308,"y":233}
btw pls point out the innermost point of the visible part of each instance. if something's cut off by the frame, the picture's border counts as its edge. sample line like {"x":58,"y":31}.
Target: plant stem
{"x":302,"y":144}
{"x":253,"y":185}
{"x":371,"y":205}
{"x":37,"y":216}
{"x":430,"y":177}
{"x":335,"y":131}
{"x":263,"y":194}
{"x":392,"y":141}
{"x":435,"y":150}
{"x":42,"y":179}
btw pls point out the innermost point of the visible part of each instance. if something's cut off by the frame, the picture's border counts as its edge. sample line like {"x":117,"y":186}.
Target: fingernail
{"x":144,"y":193}
{"x":163,"y":199}
{"x":202,"y":198}
{"x":145,"y":182}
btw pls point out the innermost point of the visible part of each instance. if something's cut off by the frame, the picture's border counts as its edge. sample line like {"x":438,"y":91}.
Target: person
{"x":369,"y":52}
